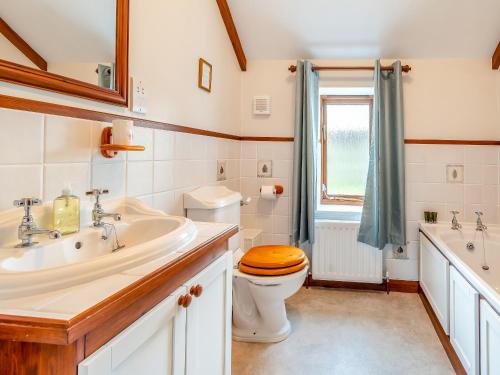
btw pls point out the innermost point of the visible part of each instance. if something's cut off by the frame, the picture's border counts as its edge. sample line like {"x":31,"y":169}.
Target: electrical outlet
{"x":221,"y":170}
{"x":138,"y":96}
{"x":399,"y":252}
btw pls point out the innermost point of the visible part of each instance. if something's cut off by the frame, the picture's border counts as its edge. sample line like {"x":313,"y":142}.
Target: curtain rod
{"x":404,"y":68}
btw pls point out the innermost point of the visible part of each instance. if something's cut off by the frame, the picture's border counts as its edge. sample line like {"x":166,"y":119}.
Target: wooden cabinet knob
{"x":196,"y":290}
{"x":185,"y":300}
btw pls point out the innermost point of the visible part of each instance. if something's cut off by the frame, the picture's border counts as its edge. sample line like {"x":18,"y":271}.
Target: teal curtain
{"x":383,"y":219}
{"x":304,"y":155}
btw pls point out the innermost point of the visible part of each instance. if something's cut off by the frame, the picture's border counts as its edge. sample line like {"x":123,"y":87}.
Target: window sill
{"x":339,"y":212}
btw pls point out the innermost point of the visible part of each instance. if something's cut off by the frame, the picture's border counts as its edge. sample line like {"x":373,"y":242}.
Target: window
{"x":345,"y":138}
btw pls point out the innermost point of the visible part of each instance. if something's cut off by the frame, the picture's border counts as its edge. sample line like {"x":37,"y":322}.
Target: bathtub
{"x":470,"y":261}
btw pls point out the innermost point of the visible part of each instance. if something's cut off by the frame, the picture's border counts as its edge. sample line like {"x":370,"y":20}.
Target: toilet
{"x":263,"y":276}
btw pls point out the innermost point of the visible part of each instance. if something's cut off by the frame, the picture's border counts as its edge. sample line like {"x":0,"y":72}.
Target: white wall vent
{"x":261,"y":105}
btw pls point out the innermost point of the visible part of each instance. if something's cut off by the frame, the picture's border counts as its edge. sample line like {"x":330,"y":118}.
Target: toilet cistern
{"x":28,"y":228}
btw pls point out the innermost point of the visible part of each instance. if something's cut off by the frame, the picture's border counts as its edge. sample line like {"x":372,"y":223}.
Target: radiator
{"x":337,"y":255}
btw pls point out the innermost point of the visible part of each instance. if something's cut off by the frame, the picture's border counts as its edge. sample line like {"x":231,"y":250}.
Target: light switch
{"x":138,"y":96}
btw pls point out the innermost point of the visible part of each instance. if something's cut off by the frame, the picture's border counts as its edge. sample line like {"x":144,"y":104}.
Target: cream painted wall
{"x":10,"y":53}
{"x":166,"y":39}
{"x":457,"y":99}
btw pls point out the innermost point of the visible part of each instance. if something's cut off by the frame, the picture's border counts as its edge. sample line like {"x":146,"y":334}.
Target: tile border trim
{"x":12,"y":102}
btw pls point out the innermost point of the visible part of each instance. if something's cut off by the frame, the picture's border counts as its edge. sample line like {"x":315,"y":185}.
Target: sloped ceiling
{"x":65,"y":30}
{"x":348,"y":29}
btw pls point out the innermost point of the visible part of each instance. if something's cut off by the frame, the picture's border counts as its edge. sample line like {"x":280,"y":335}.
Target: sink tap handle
{"x":97,"y":192}
{"x":27,"y":203}
{"x":479,"y":214}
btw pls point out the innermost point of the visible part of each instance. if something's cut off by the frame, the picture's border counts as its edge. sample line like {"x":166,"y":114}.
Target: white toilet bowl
{"x":259,"y":313}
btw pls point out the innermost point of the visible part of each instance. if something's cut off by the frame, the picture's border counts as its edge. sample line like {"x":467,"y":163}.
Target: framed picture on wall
{"x":205,"y":75}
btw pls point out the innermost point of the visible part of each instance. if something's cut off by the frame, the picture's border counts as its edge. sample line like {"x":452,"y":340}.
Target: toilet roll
{"x":268,"y":192}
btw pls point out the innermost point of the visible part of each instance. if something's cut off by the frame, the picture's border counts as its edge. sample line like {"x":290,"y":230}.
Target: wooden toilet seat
{"x":273,"y":260}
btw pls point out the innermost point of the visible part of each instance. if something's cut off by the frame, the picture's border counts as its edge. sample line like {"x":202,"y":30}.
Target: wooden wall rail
{"x":12,"y":102}
{"x":22,"y":104}
{"x":470,"y":142}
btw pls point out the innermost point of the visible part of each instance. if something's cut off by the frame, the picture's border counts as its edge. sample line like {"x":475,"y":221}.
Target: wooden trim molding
{"x":12,"y":102}
{"x":452,"y":142}
{"x":443,"y":338}
{"x":22,"y":104}
{"x":22,"y":45}
{"x":266,"y":139}
{"x":402,"y":286}
{"x":23,"y":75}
{"x":495,"y":60}
{"x":225,"y":12}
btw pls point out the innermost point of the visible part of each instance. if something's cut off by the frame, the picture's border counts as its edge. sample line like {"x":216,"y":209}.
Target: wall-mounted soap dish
{"x":109,"y":150}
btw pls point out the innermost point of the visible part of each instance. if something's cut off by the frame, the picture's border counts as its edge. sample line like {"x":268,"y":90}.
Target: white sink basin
{"x":84,"y":256}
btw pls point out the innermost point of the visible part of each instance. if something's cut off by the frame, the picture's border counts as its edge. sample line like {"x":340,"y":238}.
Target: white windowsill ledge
{"x":339,"y":212}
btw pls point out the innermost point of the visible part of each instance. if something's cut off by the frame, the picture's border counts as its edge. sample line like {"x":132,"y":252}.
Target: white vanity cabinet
{"x":490,"y":340}
{"x":154,"y":344}
{"x":172,"y":339}
{"x":208,"y":334}
{"x":464,"y":321}
{"x":434,"y":280}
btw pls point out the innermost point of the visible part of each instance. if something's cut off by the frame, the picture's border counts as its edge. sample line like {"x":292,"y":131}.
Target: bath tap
{"x":98,"y":213}
{"x":455,"y":225}
{"x":28,"y":228}
{"x":480,"y":227}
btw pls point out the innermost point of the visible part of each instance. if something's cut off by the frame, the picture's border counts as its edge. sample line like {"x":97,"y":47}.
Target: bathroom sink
{"x":145,"y":234}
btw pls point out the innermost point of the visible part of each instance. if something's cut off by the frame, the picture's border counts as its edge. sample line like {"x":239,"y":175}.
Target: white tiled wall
{"x":427,"y":190}
{"x":272,"y":217}
{"x":40,"y":153}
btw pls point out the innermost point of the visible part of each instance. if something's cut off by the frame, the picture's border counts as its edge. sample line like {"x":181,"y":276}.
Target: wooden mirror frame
{"x":23,"y":75}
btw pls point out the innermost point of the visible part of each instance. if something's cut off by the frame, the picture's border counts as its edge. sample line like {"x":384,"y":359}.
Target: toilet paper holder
{"x":278,"y":189}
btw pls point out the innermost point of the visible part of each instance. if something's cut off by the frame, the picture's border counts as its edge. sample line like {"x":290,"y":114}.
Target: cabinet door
{"x":154,"y":344}
{"x":490,"y":340}
{"x":208,"y":345}
{"x":434,"y":280}
{"x":464,"y":321}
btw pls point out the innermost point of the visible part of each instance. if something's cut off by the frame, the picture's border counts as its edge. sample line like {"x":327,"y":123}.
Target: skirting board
{"x":403,"y":286}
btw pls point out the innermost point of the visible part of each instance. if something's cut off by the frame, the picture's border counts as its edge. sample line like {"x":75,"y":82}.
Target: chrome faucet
{"x":480,"y":227}
{"x":28,"y":229}
{"x":455,"y":225}
{"x":98,"y":213}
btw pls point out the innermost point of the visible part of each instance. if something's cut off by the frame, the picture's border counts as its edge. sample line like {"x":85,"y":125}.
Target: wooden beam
{"x":21,"y":45}
{"x":225,"y":12}
{"x":495,"y":61}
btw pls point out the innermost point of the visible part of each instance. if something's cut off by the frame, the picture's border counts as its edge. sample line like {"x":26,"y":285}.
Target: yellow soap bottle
{"x":66,"y":212}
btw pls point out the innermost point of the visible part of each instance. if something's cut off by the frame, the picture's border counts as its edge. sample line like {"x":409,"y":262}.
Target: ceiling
{"x":65,"y":31}
{"x":357,"y":29}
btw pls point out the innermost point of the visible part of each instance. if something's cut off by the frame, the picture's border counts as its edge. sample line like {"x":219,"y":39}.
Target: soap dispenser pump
{"x":66,"y":212}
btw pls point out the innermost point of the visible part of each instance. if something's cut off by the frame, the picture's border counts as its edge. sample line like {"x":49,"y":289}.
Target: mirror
{"x":78,"y":47}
